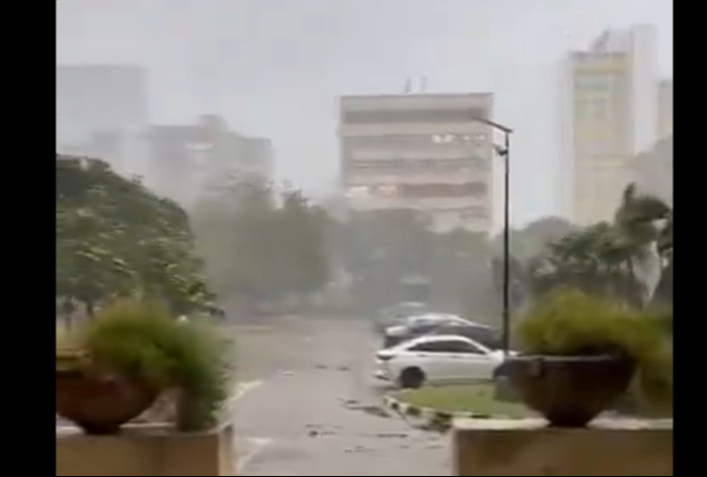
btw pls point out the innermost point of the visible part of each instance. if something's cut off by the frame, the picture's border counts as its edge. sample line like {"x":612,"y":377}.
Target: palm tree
{"x":645,"y":223}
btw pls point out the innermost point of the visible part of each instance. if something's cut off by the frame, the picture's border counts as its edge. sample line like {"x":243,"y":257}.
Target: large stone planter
{"x":100,"y":403}
{"x":528,"y":447}
{"x":569,"y":391}
{"x":145,"y":450}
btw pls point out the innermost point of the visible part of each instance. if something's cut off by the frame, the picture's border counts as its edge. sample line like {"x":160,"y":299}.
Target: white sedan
{"x":436,"y":359}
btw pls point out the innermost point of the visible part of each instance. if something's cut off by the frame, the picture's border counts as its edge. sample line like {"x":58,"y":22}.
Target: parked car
{"x":437,"y":360}
{"x":398,"y":314}
{"x":440,"y":323}
{"x":482,"y":334}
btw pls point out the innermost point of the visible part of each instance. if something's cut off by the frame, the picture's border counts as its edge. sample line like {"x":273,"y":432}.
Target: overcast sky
{"x":275,"y":67}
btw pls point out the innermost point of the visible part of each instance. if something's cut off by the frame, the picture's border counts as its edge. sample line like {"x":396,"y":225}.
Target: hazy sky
{"x":275,"y":67}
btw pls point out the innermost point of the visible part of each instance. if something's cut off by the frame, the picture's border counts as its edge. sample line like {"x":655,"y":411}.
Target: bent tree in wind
{"x":114,"y":238}
{"x":630,"y":258}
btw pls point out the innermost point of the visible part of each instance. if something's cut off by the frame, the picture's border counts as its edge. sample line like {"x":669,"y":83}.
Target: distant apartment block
{"x":610,"y":114}
{"x":102,"y":111}
{"x":185,"y":158}
{"x":420,"y":152}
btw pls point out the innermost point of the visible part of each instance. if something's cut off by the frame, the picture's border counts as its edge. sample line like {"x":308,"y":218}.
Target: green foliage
{"x":141,"y":339}
{"x":116,"y":238}
{"x":573,"y":323}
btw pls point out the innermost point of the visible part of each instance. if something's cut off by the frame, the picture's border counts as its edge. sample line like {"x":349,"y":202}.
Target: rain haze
{"x":323,"y":230}
{"x":275,"y":68}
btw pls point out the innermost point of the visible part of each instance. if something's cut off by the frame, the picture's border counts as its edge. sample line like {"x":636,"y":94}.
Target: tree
{"x":646,"y":224}
{"x":606,"y":258}
{"x":115,"y":237}
{"x":260,"y":248}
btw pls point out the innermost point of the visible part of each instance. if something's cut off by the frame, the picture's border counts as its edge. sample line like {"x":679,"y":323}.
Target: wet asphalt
{"x":311,"y":407}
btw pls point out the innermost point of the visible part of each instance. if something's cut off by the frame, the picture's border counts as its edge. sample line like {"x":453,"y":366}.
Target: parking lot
{"x":309,"y":405}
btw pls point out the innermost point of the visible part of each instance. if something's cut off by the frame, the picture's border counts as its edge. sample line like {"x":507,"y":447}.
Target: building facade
{"x":421,"y":152}
{"x":184,"y":159}
{"x":103,"y":111}
{"x":665,"y":108}
{"x":610,"y":114}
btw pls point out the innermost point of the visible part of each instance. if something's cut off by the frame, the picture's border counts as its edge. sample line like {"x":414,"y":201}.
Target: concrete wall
{"x":145,"y":451}
{"x":530,"y":448}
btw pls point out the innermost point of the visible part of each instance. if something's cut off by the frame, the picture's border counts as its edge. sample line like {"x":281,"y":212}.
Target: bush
{"x":573,"y":323}
{"x":142,"y":340}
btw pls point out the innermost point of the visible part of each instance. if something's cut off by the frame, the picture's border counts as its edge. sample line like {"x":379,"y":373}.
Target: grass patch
{"x":476,"y":398}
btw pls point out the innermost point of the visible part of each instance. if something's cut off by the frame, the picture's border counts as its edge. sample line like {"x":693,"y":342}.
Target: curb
{"x":431,"y":418}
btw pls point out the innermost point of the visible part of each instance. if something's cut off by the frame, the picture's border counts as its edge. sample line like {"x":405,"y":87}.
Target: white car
{"x":437,"y":359}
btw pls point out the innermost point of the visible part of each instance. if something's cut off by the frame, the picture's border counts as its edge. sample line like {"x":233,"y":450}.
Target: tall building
{"x":665,"y":108}
{"x":421,"y":152}
{"x":610,"y":114}
{"x":103,"y":110}
{"x":184,"y":158}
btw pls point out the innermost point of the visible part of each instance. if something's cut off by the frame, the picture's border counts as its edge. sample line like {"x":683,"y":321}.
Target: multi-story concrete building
{"x":185,"y":158}
{"x":421,"y":152}
{"x":609,"y":115}
{"x":103,"y":111}
{"x":665,"y":108}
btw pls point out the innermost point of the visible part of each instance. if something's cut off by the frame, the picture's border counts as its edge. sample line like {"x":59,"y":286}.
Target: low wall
{"x":145,"y":450}
{"x":530,"y":448}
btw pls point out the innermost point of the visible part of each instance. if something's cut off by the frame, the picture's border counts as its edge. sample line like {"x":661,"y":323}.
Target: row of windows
{"x":420,"y":191}
{"x":404,"y":166}
{"x":452,"y":346}
{"x":413,"y":140}
{"x":414,"y":116}
{"x":601,"y":83}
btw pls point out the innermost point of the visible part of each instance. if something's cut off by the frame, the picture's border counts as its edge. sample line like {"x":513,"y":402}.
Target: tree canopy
{"x":606,"y":258}
{"x":114,"y":237}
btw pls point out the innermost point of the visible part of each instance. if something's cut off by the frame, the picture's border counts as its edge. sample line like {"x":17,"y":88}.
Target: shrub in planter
{"x":138,"y":342}
{"x":579,"y":353}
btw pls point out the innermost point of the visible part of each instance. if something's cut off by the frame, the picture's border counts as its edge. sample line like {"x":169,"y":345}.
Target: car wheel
{"x":412,"y":378}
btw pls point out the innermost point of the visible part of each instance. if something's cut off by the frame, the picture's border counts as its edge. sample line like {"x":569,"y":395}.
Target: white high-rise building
{"x":610,"y":114}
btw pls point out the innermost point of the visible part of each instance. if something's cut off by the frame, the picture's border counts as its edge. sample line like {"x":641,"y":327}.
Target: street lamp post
{"x":505,"y":152}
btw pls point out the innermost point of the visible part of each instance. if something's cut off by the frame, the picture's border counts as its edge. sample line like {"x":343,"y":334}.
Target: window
{"x":600,"y":108}
{"x":463,"y":347}
{"x":357,"y":192}
{"x":451,"y":346}
{"x":423,"y":328}
{"x":474,"y":213}
{"x":593,"y":82}
{"x":423,"y":191}
{"x":414,"y":116}
{"x":458,"y":138}
{"x":486,"y":337}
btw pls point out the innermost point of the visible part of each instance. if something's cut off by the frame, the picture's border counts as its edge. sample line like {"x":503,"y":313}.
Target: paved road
{"x":311,"y":406}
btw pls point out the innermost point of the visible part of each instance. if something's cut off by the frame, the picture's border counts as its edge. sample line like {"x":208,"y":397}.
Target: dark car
{"x":443,"y":325}
{"x":398,"y":314}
